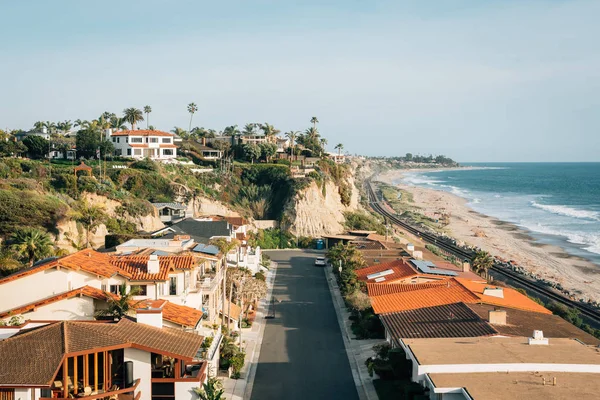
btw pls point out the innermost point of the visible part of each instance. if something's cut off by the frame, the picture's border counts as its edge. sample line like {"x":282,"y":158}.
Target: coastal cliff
{"x":319,"y":210}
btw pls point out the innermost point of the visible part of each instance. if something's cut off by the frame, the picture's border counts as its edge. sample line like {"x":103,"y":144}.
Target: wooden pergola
{"x":83,"y":167}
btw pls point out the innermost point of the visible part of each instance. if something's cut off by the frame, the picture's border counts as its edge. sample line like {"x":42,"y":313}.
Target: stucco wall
{"x":183,"y":390}
{"x":142,"y":370}
{"x":67,"y":309}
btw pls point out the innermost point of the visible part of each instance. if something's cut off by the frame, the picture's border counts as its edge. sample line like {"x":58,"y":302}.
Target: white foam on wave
{"x":419,"y":180}
{"x":589,"y":241}
{"x":568,"y":211}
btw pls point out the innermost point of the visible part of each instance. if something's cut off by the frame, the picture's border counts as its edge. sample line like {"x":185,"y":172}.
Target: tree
{"x":291,"y":135}
{"x":118,"y":123}
{"x":251,"y":151}
{"x":32,"y":244}
{"x":120,"y":305}
{"x":10,"y":148}
{"x":147,"y":111}
{"x":133,"y":116}
{"x":249,"y":129}
{"x":37,"y":146}
{"x":65,"y":126}
{"x":339,"y":147}
{"x":268,"y":150}
{"x":192,"y":108}
{"x":408,"y":157}
{"x":90,"y":139}
{"x":482,"y":262}
{"x":314,"y":121}
{"x":235,"y":278}
{"x":179,"y":132}
{"x":254,"y":290}
{"x":231,"y":130}
{"x":90,"y":216}
{"x":211,"y":390}
{"x":269,"y":130}
{"x":358,"y":300}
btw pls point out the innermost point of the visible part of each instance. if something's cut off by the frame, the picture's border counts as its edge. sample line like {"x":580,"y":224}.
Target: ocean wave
{"x":587,"y":240}
{"x":419,"y":180}
{"x":568,"y":211}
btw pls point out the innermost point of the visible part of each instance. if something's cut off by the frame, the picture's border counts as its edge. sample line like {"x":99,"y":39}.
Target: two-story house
{"x":140,"y":144}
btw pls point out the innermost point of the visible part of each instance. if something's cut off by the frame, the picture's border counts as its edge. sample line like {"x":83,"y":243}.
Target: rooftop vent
{"x":538,"y":338}
{"x":153,"y":264}
{"x":494,"y":292}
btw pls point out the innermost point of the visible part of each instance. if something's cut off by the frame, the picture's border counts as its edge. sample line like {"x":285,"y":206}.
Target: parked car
{"x":320,"y":261}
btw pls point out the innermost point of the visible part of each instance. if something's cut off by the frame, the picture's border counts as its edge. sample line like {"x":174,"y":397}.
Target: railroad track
{"x":450,"y":247}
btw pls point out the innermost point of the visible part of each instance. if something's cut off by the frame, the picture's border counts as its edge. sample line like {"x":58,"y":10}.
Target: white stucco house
{"x":140,"y":144}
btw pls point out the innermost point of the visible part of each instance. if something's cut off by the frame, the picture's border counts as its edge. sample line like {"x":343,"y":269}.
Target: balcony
{"x":209,"y":282}
{"x":112,"y":394}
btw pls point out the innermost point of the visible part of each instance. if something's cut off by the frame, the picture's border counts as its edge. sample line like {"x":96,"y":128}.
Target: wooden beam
{"x":96,"y":372}
{"x":65,"y":376}
{"x":86,"y":370}
{"x":75,"y":374}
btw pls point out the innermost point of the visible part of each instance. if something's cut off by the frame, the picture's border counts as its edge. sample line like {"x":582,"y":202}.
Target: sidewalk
{"x":241,"y":389}
{"x":357,"y":350}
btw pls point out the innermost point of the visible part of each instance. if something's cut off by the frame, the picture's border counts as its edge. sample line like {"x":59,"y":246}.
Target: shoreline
{"x":505,"y":240}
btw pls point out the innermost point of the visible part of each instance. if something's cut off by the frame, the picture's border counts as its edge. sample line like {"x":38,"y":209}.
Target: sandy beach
{"x":505,"y":240}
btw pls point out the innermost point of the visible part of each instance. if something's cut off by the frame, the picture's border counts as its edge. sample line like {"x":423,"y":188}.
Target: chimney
{"x":153,"y":264}
{"x":497,"y":317}
{"x":494,"y":292}
{"x":203,"y":141}
{"x":466,"y":267}
{"x":150,"y":313}
{"x":538,"y":338}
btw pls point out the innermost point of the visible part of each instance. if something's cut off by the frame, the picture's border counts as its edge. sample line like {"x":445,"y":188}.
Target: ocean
{"x":558,"y":203}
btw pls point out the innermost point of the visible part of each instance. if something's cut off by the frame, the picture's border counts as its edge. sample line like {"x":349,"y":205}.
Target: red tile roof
{"x":401,"y":270}
{"x":381,"y":289}
{"x":434,"y":295}
{"x":141,"y":132}
{"x":511,"y":298}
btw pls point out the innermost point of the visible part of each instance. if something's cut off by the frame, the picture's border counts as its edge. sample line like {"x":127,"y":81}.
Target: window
{"x":118,"y":140}
{"x":7,"y":394}
{"x":137,"y":152}
{"x":126,"y":140}
{"x":142,"y":290}
{"x":118,"y":152}
{"x":128,"y":152}
{"x":114,"y":140}
{"x":166,"y":140}
{"x":167,"y":152}
{"x":103,"y":287}
{"x":137,"y":140}
{"x":114,"y":289}
{"x":173,"y":285}
{"x":153,"y":140}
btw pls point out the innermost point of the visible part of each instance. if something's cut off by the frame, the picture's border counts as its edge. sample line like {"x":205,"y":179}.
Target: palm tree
{"x":314,"y":121}
{"x":147,"y":110}
{"x":32,"y":243}
{"x":339,"y":147}
{"x":482,"y":262}
{"x":179,"y":131}
{"x":248,"y":129}
{"x":192,"y":108}
{"x":291,"y":135}
{"x":269,"y":130}
{"x":231,"y":130}
{"x":133,"y":116}
{"x":51,"y":126}
{"x":120,"y":305}
{"x":79,"y":122}
{"x":90,"y":216}
{"x":118,"y":123}
{"x":224,"y":248}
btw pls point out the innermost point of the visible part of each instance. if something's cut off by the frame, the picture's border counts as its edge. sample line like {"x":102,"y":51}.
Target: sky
{"x":505,"y":80}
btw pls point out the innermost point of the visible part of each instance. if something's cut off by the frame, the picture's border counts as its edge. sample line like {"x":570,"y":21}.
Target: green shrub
{"x":305,"y":242}
{"x":20,"y":208}
{"x":146,"y":164}
{"x":363,"y":221}
{"x":272,"y":238}
{"x":237,"y":362}
{"x":260,"y":276}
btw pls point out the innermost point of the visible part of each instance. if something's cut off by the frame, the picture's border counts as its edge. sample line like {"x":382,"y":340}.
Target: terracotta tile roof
{"x":435,"y":295}
{"x":87,"y":260}
{"x":523,"y":323}
{"x":450,"y":320}
{"x":36,"y":355}
{"x":511,"y":298}
{"x":181,"y":315}
{"x":401,"y":270}
{"x":167,"y":146}
{"x":381,"y":289}
{"x":235,"y":311}
{"x":141,"y":132}
{"x":236,"y":221}
{"x":137,"y":145}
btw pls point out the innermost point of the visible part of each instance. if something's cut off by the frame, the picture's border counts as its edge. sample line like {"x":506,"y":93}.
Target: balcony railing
{"x":209,"y":281}
{"x":120,"y":394}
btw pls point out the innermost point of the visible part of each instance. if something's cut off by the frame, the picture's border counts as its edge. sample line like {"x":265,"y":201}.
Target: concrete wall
{"x":183,"y":390}
{"x":67,"y":309}
{"x":41,"y":285}
{"x":142,"y":370}
{"x":25,"y":394}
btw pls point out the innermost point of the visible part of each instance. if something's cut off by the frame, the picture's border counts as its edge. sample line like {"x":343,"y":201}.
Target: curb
{"x":338,"y":303}
{"x":263,"y":310}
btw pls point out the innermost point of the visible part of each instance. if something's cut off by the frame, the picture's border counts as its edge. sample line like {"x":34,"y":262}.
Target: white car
{"x":320,"y":261}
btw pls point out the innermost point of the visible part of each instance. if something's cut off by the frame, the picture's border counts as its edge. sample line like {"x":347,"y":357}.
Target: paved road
{"x":302,"y":354}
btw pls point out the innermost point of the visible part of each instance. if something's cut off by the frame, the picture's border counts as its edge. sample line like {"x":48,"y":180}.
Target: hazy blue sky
{"x":475,"y":80}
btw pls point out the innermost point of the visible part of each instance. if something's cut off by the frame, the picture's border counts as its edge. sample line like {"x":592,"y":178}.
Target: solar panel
{"x":427,"y":267}
{"x":206,"y":249}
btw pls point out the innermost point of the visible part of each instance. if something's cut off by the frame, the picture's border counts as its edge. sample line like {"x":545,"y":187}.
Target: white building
{"x":504,"y":367}
{"x":140,"y":144}
{"x":123,"y":360}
